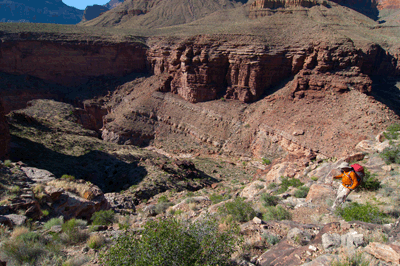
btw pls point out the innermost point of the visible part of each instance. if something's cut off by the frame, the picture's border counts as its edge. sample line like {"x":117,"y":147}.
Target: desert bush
{"x":95,"y":241}
{"x":68,"y":177}
{"x":104,"y":217}
{"x":76,"y":261}
{"x":269,"y":200}
{"x":72,"y":233}
{"x":370,"y":182}
{"x":288,"y":182}
{"x":8,"y":163}
{"x":238,"y":210}
{"x":301,"y":192}
{"x":266,"y":161}
{"x":270,"y":239}
{"x":21,"y":252}
{"x":391,"y":154}
{"x":217,"y":198}
{"x":362,"y":212}
{"x":355,"y":259}
{"x":392,"y":132}
{"x":172,"y":242}
{"x":18,"y":231}
{"x":272,"y":186}
{"x":52,"y":222}
{"x":161,"y":207}
{"x":15,"y":189}
{"x":163,"y":198}
{"x":277,"y":213}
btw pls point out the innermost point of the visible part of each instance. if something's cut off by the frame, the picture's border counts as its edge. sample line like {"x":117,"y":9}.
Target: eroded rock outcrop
{"x":200,"y":70}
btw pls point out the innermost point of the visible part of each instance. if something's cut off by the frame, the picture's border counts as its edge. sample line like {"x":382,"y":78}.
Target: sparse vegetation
{"x":270,"y":238}
{"x":301,"y":192}
{"x":362,"y":212}
{"x":370,"y":182}
{"x":68,"y":177}
{"x":171,"y":242}
{"x":216,"y":198}
{"x":392,"y":132}
{"x":73,"y":234}
{"x":288,"y":182}
{"x":391,"y":154}
{"x":238,"y":210}
{"x":95,"y":241}
{"x":269,"y":200}
{"x":52,"y":222}
{"x":349,"y":260}
{"x":276,"y":213}
{"x":266,"y":161}
{"x":104,"y":217}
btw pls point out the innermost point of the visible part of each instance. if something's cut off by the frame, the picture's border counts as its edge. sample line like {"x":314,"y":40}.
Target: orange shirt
{"x":349,"y":179}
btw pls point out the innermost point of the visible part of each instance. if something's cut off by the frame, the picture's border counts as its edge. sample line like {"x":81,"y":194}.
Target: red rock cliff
{"x":202,"y":70}
{"x":71,"y":63}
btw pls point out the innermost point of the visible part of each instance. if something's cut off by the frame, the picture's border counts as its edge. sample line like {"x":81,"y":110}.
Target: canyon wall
{"x":71,"y":63}
{"x":4,"y":134}
{"x":202,"y":71}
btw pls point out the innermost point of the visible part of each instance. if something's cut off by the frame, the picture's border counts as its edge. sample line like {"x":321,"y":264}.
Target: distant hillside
{"x":39,"y":11}
{"x":161,"y":13}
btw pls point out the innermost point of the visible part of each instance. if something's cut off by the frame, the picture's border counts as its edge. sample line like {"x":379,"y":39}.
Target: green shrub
{"x":362,"y":212}
{"x":270,"y":239}
{"x":95,"y":241}
{"x":288,"y":182}
{"x":238,"y":210}
{"x":161,"y":207}
{"x":52,"y":222}
{"x":266,"y":161}
{"x":8,"y":163}
{"x":272,"y":186}
{"x":172,"y":242}
{"x":103,"y":217}
{"x":163,"y":198}
{"x":314,"y":178}
{"x":216,"y":198}
{"x":301,"y":192}
{"x":276,"y":213}
{"x":72,"y":233}
{"x":15,"y":189}
{"x":392,"y":132}
{"x":269,"y":200}
{"x":355,"y":259}
{"x":391,"y":154}
{"x":68,"y":177}
{"x":370,"y":182}
{"x":21,"y":252}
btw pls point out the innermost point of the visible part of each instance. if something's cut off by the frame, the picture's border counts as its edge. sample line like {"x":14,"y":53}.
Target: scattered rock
{"x":388,"y":253}
{"x":17,"y":220}
{"x":331,"y":241}
{"x":324,"y":260}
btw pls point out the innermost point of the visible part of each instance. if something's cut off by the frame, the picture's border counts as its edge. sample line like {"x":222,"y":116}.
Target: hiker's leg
{"x":341,"y":196}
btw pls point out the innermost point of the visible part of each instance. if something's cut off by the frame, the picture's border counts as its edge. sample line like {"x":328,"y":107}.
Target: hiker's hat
{"x":344,"y":165}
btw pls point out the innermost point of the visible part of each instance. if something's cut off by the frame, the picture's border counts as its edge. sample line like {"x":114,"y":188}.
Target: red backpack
{"x":359,"y":170}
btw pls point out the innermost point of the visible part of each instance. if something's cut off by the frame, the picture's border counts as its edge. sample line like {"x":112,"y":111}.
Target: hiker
{"x":349,"y":183}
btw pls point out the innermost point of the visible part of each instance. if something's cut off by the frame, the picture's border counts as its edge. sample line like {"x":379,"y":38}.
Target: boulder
{"x":16,"y":220}
{"x":38,"y":175}
{"x":276,"y":172}
{"x":324,"y":260}
{"x":253,"y":189}
{"x":120,"y":203}
{"x":331,"y":241}
{"x":320,"y":191}
{"x":53,"y":192}
{"x":388,"y":253}
{"x":352,"y":239}
{"x":299,"y":236}
{"x":70,"y":206}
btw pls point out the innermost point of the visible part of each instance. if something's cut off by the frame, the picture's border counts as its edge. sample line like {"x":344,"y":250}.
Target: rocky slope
{"x":310,"y":236}
{"x":39,"y":11}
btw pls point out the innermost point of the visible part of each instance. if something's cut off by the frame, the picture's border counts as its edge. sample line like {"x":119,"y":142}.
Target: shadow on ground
{"x":387,"y":91}
{"x":102,"y":169}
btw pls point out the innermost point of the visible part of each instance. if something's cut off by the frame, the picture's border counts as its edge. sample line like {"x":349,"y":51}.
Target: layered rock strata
{"x":202,"y":71}
{"x":71,"y":63}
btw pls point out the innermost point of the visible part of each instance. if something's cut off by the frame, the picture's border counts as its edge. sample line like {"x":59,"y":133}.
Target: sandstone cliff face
{"x":71,"y":63}
{"x":200,"y":71}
